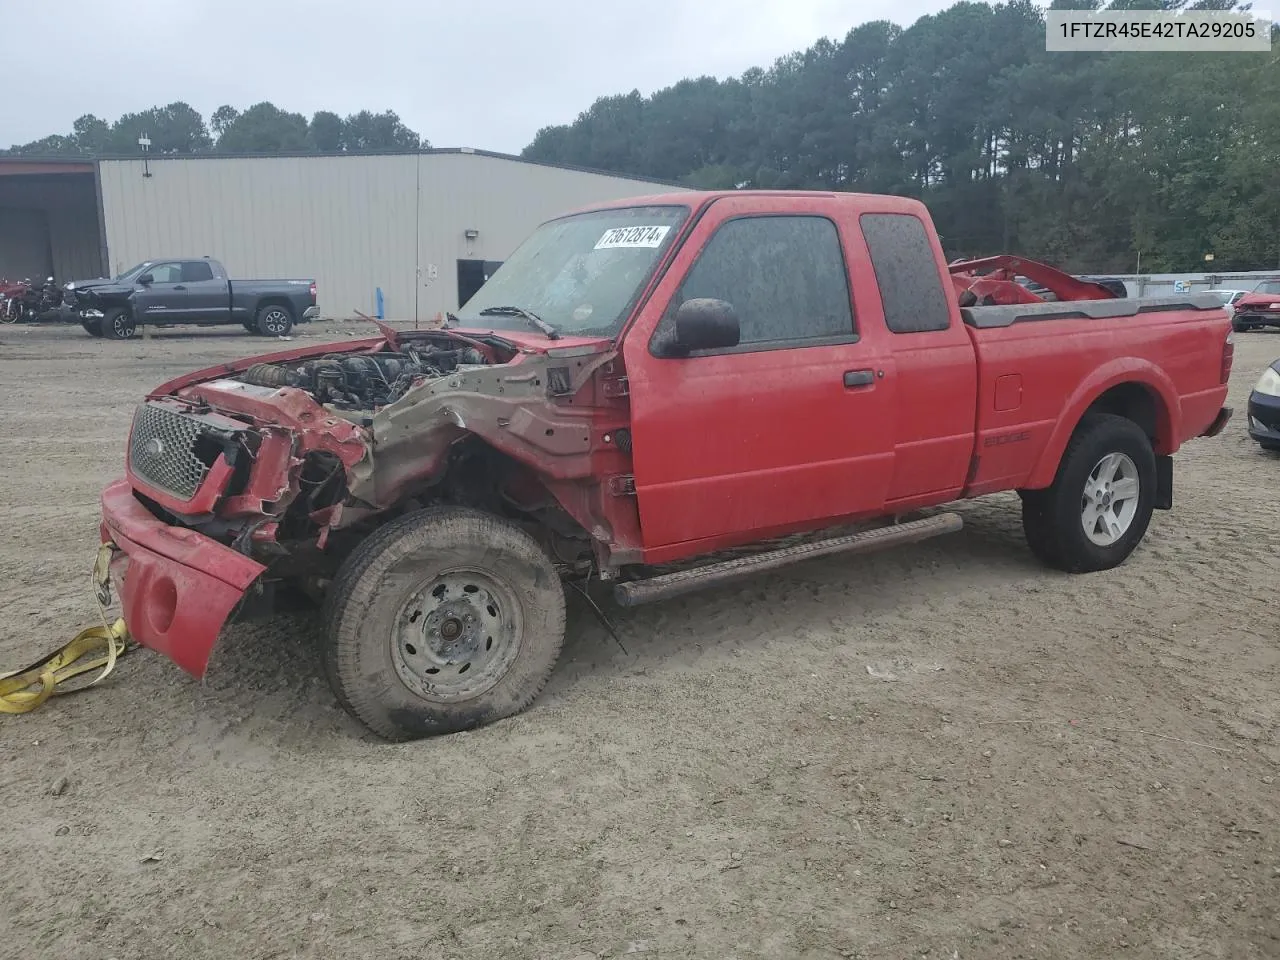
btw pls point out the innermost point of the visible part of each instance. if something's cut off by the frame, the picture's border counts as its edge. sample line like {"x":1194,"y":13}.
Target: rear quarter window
{"x":193,"y":271}
{"x":910,"y":286}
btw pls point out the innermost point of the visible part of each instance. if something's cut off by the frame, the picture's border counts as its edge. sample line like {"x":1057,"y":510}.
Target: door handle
{"x":179,"y":287}
{"x":859,"y":378}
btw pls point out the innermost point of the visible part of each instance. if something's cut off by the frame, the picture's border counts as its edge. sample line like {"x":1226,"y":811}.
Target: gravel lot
{"x":1059,"y":767}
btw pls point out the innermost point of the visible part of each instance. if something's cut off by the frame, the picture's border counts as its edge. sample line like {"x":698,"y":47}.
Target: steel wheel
{"x":456,"y":636}
{"x":443,"y":620}
{"x":1110,"y":499}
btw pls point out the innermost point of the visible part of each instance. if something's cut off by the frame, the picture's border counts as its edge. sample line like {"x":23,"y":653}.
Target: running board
{"x":635,"y":592}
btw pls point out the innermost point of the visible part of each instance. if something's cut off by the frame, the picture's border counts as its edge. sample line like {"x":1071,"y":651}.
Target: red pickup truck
{"x":641,"y":387}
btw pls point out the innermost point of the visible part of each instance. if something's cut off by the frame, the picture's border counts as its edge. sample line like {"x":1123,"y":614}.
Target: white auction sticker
{"x":621,"y":237}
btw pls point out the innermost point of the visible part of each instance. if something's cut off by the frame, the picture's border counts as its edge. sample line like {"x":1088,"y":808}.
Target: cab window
{"x":785,"y":277}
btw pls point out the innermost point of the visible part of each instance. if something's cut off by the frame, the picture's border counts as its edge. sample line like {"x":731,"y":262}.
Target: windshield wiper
{"x":551,"y":332}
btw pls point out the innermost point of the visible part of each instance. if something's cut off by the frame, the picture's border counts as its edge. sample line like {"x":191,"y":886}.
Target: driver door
{"x":164,"y":299}
{"x":788,"y":430}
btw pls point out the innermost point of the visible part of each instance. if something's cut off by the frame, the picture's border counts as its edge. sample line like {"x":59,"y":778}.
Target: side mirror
{"x":704,"y":324}
{"x":146,"y":279}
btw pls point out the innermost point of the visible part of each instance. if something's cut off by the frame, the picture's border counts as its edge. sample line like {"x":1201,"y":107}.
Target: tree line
{"x":263,"y":128}
{"x":1086,"y":160}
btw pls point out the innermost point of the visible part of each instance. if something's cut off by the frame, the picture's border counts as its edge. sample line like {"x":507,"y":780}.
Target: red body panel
{"x":993,"y":279}
{"x":176,"y":587}
{"x":731,"y":444}
{"x":1048,"y":372}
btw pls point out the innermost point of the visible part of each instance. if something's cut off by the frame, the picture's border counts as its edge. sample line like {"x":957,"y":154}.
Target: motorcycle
{"x":13,"y":297}
{"x":50,"y":297}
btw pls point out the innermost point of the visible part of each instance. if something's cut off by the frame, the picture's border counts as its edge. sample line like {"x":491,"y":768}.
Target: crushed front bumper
{"x":176,"y":586}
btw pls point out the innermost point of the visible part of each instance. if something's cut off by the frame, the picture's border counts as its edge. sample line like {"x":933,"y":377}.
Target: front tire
{"x":1098,"y":508}
{"x":118,"y":324}
{"x":274,"y":320}
{"x":444,"y":620}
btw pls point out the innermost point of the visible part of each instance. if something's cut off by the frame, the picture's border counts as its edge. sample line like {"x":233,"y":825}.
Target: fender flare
{"x":1111,"y":374}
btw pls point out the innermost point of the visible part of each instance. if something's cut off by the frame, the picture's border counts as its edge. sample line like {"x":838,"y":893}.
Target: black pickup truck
{"x":168,"y":292}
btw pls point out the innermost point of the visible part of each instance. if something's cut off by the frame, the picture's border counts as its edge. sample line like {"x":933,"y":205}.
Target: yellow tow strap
{"x":21,"y":691}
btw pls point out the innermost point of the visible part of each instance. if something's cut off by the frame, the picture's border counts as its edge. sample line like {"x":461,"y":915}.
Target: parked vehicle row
{"x":191,"y":291}
{"x":641,"y":387}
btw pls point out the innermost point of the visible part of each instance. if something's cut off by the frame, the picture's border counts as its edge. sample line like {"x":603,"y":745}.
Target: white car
{"x":1229,"y":298}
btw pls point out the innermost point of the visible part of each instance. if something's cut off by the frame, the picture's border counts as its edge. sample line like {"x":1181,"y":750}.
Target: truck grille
{"x":163,"y":451}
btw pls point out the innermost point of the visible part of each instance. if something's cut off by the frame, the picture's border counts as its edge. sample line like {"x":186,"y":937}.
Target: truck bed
{"x":1150,"y":352}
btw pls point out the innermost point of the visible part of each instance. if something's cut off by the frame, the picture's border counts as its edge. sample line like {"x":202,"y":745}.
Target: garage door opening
{"x":49,"y":223}
{"x":472,"y":275}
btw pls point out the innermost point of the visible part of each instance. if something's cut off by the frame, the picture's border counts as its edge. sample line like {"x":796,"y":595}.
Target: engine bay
{"x":364,"y":381}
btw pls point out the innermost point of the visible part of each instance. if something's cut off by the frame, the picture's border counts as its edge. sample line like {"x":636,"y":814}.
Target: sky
{"x":485,"y":73}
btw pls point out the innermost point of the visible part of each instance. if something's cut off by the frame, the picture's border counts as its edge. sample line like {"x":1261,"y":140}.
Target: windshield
{"x":581,"y":274}
{"x":1268,"y":286}
{"x":134,"y":271}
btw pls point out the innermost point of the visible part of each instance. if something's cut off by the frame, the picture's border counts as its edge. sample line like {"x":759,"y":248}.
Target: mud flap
{"x":1164,"y":483}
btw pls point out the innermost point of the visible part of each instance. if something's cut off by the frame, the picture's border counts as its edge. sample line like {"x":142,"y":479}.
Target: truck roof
{"x":699,"y":198}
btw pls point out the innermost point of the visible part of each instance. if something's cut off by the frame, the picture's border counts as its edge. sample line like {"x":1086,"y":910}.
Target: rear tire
{"x":274,"y":320}
{"x":118,"y":324}
{"x":444,"y":620}
{"x":92,"y":327}
{"x":1098,"y":508}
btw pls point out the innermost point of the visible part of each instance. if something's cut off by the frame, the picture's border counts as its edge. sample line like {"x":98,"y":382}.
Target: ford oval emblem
{"x":153,"y":447}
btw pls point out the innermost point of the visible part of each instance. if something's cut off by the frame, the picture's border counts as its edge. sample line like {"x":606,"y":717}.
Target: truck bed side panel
{"x":248,"y":295}
{"x":1038,"y":377}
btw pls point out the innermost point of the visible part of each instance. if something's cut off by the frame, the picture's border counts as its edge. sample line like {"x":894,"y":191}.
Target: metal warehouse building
{"x":425,"y":228}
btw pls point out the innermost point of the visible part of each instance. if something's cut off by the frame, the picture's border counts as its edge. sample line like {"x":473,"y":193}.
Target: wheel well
{"x":484,"y":478}
{"x":1136,"y":402}
{"x":274,"y":302}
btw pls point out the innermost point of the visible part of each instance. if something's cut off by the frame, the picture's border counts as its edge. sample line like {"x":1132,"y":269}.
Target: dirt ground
{"x":943,"y":752}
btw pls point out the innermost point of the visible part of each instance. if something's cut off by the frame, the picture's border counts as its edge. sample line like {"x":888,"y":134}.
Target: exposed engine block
{"x":362,"y":381}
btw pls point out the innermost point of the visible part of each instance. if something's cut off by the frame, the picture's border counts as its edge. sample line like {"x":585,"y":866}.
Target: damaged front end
{"x":268,"y":471}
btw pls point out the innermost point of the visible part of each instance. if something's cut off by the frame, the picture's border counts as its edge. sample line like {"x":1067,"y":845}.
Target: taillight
{"x":1228,"y":355}
{"x":313,"y":289}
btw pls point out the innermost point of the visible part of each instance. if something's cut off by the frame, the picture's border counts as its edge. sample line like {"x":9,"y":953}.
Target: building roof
{"x":19,"y":166}
{"x":57,"y":164}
